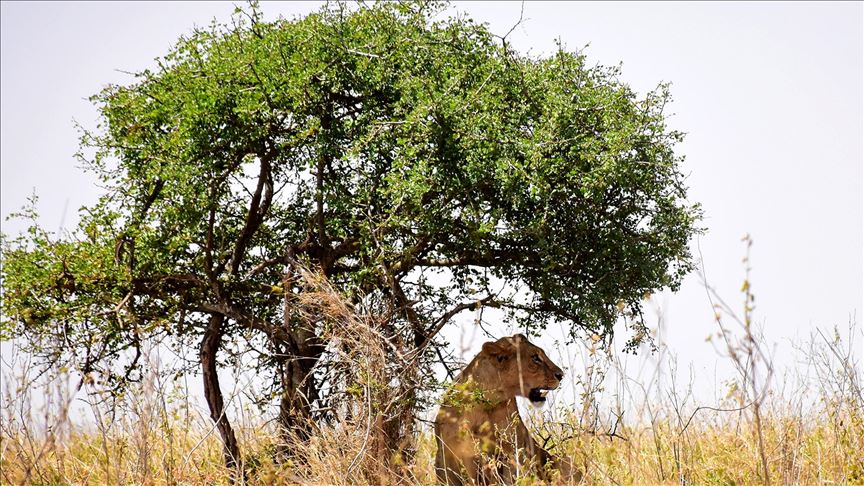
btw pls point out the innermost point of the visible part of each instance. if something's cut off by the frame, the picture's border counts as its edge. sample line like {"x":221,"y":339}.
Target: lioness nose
{"x":559,"y":375}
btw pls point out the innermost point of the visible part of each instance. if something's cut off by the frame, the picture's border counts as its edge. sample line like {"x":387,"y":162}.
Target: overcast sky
{"x":769,"y":94}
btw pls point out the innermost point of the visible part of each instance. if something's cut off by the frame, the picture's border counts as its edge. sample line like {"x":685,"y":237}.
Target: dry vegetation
{"x":764,"y":429}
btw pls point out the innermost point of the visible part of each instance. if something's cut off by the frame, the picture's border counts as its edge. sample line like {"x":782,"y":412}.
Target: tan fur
{"x":481,"y":437}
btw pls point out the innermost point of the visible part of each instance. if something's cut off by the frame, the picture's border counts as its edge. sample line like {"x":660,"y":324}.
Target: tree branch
{"x":258,"y":207}
{"x":274,"y":332}
{"x":406,"y":306}
{"x":447,"y":316}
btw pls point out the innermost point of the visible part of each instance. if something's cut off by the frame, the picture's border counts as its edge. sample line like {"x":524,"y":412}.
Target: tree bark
{"x":213,"y":393}
{"x":299,"y":389}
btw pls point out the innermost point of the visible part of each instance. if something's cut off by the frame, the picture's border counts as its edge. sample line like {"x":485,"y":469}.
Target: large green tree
{"x":414,"y":162}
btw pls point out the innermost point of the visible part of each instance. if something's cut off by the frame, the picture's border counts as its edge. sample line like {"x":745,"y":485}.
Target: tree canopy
{"x":419,"y":164}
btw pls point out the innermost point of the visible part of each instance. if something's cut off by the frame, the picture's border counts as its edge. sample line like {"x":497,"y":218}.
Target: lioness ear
{"x":499,"y":349}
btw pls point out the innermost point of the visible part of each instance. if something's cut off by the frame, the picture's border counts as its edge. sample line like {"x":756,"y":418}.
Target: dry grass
{"x":821,"y":447}
{"x":158,"y":440}
{"x":722,"y":450}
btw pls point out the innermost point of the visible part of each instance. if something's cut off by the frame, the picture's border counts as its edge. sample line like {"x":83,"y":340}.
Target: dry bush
{"x":369,"y":434}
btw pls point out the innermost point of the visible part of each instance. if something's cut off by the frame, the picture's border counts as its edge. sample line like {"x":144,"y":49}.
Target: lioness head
{"x":523,"y":368}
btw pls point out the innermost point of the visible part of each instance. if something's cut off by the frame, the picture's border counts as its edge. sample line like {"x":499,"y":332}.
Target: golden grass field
{"x":719,"y":451}
{"x":161,"y":439}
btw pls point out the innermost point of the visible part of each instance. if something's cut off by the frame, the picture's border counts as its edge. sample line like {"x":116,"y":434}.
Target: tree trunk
{"x":298,"y":356}
{"x":209,"y":347}
{"x":397,"y":430}
{"x":299,"y":389}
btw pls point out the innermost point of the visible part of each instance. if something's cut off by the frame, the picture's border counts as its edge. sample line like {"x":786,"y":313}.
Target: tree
{"x":414,"y":163}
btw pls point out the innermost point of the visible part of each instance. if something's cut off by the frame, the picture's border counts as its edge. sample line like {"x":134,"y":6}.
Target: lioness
{"x":481,"y":437}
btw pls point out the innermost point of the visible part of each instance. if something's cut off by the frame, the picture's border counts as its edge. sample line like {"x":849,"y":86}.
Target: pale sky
{"x":770,"y":95}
